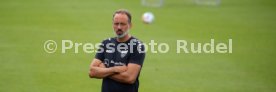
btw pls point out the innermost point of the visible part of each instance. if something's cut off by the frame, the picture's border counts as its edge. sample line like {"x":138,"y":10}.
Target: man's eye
{"x":123,"y":24}
{"x":116,"y":24}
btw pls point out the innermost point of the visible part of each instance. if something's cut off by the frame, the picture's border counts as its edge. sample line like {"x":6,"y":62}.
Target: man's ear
{"x":130,"y":25}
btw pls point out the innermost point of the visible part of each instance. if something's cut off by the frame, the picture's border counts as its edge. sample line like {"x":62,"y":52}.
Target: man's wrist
{"x":113,"y":69}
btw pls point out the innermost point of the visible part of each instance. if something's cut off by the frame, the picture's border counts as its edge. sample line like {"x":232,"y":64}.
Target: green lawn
{"x":26,"y":24}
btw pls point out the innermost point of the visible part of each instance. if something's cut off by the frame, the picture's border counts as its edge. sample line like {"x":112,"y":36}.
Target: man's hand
{"x":129,"y":76}
{"x":124,"y":74}
{"x":98,"y":69}
{"x":119,"y":69}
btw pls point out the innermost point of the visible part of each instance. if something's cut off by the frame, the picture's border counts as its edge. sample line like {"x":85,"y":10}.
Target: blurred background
{"x":26,"y":24}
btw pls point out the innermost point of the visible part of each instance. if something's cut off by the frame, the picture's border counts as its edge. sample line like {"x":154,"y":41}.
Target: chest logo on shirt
{"x":123,"y":53}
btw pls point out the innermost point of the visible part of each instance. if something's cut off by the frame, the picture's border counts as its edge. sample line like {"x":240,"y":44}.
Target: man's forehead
{"x":120,"y":17}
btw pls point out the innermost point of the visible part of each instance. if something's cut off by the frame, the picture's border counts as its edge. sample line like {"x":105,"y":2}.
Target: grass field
{"x":26,"y":24}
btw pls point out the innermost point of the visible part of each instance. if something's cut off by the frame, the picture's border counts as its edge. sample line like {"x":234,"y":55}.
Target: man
{"x":119,"y":60}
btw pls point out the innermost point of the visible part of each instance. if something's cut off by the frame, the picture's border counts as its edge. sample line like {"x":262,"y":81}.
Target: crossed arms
{"x":124,"y":74}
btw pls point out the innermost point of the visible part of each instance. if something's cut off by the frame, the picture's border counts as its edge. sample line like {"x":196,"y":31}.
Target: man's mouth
{"x":119,"y":32}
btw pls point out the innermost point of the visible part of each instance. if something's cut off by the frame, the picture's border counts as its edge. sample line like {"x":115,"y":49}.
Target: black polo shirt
{"x":114,"y":53}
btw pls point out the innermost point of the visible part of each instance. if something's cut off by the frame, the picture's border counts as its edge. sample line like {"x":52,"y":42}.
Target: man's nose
{"x":119,"y":26}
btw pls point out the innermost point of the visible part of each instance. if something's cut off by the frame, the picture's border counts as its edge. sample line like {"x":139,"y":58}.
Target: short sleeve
{"x":138,"y":55}
{"x":100,"y":52}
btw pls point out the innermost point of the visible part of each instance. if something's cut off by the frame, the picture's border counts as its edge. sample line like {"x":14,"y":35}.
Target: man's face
{"x":121,"y":24}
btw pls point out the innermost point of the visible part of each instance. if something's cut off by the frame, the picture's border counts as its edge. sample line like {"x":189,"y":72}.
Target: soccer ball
{"x":148,"y":17}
